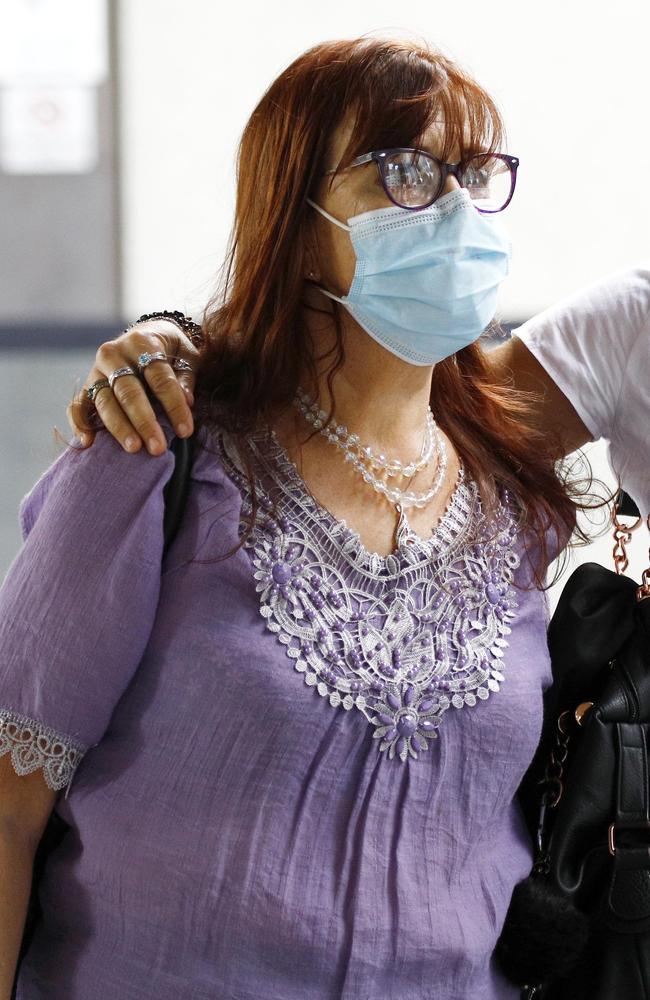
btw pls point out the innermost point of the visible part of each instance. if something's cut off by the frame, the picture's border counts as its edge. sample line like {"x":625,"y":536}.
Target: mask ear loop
{"x":330,"y":217}
{"x":342,"y":226}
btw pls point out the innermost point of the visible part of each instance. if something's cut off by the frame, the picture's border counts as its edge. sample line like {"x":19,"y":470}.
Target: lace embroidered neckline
{"x":275,"y":469}
{"x":442,"y":533}
{"x":402,"y":638}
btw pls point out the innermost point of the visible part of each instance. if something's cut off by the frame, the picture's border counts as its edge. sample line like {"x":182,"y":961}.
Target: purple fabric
{"x":234,"y":835}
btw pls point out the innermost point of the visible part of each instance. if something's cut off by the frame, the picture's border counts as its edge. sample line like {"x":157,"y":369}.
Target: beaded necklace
{"x":364,"y":460}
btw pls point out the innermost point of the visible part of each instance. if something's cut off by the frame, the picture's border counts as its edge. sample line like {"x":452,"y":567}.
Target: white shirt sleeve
{"x":595,"y":345}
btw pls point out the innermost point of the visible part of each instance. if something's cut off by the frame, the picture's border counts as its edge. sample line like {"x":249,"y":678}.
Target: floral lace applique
{"x":403,"y":637}
{"x":33,"y":745}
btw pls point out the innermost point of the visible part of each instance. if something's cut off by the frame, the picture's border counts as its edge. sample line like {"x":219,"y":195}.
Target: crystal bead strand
{"x":346,"y":442}
{"x":405,"y":498}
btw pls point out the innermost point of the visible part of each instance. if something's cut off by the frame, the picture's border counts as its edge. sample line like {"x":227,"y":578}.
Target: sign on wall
{"x":53,"y":56}
{"x":58,"y":187}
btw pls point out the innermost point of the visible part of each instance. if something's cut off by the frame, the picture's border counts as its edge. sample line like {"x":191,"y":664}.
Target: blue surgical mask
{"x":426,"y":281}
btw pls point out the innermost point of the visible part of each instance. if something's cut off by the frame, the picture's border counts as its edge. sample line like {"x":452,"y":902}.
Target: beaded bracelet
{"x":185,"y":323}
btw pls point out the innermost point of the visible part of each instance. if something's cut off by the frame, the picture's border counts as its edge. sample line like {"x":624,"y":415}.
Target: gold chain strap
{"x":622,"y":536}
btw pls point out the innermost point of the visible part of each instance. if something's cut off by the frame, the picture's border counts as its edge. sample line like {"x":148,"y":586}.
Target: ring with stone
{"x":181,"y":365}
{"x":92,"y":390}
{"x":146,"y":358}
{"x":128,"y":370}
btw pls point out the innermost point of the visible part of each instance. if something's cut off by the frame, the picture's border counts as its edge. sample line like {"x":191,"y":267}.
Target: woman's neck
{"x":378,"y":397}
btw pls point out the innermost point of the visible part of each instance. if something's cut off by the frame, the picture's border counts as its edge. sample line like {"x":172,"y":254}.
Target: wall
{"x":570,"y":78}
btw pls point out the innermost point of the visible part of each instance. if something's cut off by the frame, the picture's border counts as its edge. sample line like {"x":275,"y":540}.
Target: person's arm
{"x":514,"y":362}
{"x":26,"y":803}
{"x":77,"y":606}
{"x":17,"y":855}
{"x":588,"y":355}
{"x":572,"y":356}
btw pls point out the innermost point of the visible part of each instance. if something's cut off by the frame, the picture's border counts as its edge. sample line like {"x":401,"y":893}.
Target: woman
{"x":296,"y":741}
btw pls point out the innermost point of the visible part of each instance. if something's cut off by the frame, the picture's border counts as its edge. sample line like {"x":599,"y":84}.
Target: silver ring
{"x":92,"y":390}
{"x":146,"y":359}
{"x":181,"y":365}
{"x":118,"y":374}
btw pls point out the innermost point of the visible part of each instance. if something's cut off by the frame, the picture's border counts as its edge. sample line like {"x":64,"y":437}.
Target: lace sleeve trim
{"x":33,"y":745}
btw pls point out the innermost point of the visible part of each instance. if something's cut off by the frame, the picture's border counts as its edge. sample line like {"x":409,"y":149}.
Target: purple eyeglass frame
{"x":380,"y":155}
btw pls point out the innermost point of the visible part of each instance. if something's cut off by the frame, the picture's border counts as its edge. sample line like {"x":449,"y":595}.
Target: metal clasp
{"x":611,"y":846}
{"x":581,"y":711}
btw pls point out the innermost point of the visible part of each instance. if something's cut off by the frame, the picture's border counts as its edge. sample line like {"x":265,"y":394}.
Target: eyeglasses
{"x":413,"y":178}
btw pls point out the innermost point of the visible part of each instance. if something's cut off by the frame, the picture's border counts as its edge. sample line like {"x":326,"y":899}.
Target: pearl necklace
{"x":363,"y":458}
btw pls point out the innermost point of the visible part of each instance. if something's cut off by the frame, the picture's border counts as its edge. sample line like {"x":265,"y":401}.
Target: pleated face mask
{"x":425,"y":282}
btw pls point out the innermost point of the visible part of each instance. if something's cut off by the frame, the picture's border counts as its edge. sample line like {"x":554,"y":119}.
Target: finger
{"x":174,"y":389}
{"x":166,"y":385}
{"x":158,"y":376}
{"x":125,"y":409}
{"x":178,"y":345}
{"x":77,"y":422}
{"x":186,"y":381}
{"x":105,"y":411}
{"x":113,"y":413}
{"x":131,"y":396}
{"x":81,"y":413}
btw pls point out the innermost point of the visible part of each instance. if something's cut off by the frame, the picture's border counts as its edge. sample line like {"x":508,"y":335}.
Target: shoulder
{"x":102,"y":481}
{"x":216,"y":457}
{"x":572,"y":356}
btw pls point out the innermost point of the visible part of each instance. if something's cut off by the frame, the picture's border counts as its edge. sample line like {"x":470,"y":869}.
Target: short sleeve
{"x":595,"y":345}
{"x":78,"y":602}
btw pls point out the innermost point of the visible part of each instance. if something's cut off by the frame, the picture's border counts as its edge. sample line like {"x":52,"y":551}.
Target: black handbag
{"x":175,"y":494}
{"x":579,"y":925}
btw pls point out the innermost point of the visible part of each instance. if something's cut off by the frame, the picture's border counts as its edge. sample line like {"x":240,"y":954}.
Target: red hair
{"x":255,"y":349}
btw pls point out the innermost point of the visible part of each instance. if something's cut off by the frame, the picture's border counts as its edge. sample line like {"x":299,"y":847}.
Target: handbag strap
{"x":628,"y":898}
{"x":629,"y":888}
{"x":177,"y":487}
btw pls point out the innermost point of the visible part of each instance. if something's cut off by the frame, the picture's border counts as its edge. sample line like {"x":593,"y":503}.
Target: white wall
{"x":568,"y":76}
{"x":571,"y":78}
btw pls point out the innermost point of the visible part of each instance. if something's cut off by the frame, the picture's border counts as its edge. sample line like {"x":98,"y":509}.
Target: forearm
{"x":16,"y":868}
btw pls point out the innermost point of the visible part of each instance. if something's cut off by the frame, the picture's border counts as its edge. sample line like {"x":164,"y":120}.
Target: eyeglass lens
{"x":412,"y":179}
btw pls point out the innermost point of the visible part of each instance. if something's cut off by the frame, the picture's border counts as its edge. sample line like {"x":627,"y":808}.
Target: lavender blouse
{"x":289,"y":774}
